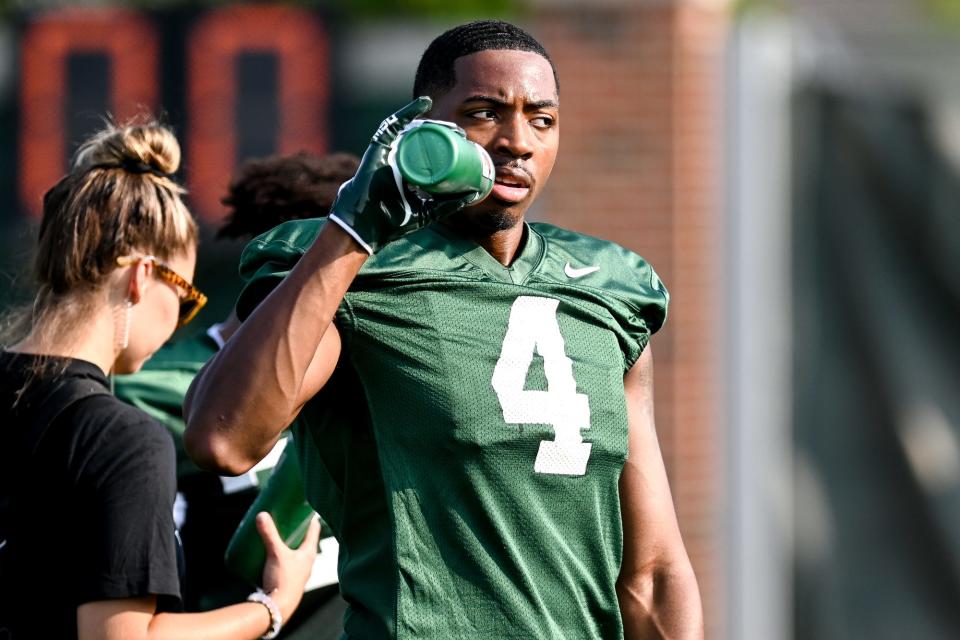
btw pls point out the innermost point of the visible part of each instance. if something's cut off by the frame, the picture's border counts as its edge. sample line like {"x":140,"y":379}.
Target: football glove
{"x":376,"y":206}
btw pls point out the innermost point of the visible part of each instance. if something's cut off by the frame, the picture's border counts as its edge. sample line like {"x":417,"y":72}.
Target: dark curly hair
{"x":435,"y":75}
{"x":272,"y":190}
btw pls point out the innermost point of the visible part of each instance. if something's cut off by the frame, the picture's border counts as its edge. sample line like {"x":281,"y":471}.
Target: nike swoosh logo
{"x":578,"y":273}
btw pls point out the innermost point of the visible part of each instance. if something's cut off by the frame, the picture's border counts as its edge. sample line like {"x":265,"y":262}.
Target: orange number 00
{"x":130,"y":43}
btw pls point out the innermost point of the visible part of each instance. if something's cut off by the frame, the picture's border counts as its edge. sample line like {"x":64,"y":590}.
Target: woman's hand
{"x":286,"y":570}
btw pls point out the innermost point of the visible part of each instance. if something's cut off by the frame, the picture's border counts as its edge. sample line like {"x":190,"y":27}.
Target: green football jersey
{"x":467,"y":450}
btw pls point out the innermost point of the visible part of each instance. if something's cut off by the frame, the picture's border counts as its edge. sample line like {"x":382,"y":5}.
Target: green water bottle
{"x":436,"y":157}
{"x":283,"y":497}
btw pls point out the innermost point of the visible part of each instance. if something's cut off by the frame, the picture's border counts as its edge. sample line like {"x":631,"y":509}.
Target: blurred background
{"x":788,"y":166}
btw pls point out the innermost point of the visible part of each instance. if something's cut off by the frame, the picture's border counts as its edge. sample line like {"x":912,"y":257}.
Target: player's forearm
{"x":250,"y":391}
{"x":663,"y":603}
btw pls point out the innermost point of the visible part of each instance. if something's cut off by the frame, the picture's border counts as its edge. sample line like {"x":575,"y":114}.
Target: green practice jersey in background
{"x":468,"y":448}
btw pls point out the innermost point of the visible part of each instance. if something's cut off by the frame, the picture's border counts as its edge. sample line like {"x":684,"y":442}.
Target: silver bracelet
{"x":276,"y":620}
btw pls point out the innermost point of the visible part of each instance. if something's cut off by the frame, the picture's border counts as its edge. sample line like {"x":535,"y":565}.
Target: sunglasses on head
{"x":191,"y":298}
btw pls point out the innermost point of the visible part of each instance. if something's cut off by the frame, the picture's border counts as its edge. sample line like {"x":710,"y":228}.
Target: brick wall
{"x":640,"y":164}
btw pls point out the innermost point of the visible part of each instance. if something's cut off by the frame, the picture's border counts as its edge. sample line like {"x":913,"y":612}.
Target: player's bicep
{"x":651,"y":534}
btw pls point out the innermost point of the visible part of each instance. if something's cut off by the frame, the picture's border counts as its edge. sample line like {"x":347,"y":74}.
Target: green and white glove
{"x":375,"y":206}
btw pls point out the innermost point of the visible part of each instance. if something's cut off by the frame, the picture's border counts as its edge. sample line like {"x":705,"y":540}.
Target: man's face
{"x":507,"y":102}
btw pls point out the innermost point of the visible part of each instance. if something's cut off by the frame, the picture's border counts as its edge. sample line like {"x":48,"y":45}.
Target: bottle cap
{"x":428,"y":154}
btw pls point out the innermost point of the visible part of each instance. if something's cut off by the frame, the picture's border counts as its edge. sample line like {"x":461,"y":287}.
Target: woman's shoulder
{"x":73,"y":396}
{"x":118,"y":448}
{"x":110,"y":422}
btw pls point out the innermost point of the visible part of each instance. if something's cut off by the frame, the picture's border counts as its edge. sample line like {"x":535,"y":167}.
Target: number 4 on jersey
{"x":533,"y":327}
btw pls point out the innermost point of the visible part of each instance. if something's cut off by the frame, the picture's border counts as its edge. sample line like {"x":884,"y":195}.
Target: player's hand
{"x":376,"y":206}
{"x":287,"y":570}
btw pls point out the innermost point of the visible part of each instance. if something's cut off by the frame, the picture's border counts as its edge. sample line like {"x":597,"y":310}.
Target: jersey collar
{"x":529,"y":258}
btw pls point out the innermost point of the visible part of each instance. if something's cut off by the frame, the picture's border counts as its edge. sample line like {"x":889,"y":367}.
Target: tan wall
{"x":640,"y":164}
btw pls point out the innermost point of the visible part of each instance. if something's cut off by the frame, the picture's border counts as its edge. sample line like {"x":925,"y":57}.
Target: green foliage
{"x":744,"y":7}
{"x":945,"y":11}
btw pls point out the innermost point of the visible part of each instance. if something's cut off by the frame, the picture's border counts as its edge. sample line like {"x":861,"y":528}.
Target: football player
{"x":471,"y":394}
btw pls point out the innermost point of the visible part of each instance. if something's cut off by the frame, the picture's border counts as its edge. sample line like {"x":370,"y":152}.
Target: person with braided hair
{"x":89,"y":548}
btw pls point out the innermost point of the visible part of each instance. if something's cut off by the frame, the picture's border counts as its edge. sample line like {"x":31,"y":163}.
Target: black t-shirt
{"x":94,"y":515}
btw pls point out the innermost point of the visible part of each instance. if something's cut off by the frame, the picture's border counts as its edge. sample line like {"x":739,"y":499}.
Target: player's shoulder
{"x":423,"y":254}
{"x":284,"y":244}
{"x":590,"y":269}
{"x":571,"y":256}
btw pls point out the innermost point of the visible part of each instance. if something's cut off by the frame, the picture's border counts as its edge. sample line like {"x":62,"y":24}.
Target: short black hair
{"x":435,"y":74}
{"x":272,"y":190}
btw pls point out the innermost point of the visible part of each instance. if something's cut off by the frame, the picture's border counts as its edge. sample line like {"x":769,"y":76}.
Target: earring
{"x":125,"y":341}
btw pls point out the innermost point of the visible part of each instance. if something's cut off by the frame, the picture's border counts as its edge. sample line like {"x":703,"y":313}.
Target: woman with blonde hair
{"x":90,"y":547}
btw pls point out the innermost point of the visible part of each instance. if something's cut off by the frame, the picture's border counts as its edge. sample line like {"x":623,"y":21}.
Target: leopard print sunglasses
{"x":191,"y":298}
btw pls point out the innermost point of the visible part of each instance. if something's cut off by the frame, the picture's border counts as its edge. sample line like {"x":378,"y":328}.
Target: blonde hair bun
{"x":143,"y":143}
{"x":118,"y":200}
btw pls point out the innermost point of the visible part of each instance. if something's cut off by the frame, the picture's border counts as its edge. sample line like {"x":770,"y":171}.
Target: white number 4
{"x":533,"y":327}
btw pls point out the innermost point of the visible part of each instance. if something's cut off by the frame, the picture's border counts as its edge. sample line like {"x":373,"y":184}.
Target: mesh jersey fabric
{"x":467,"y":450}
